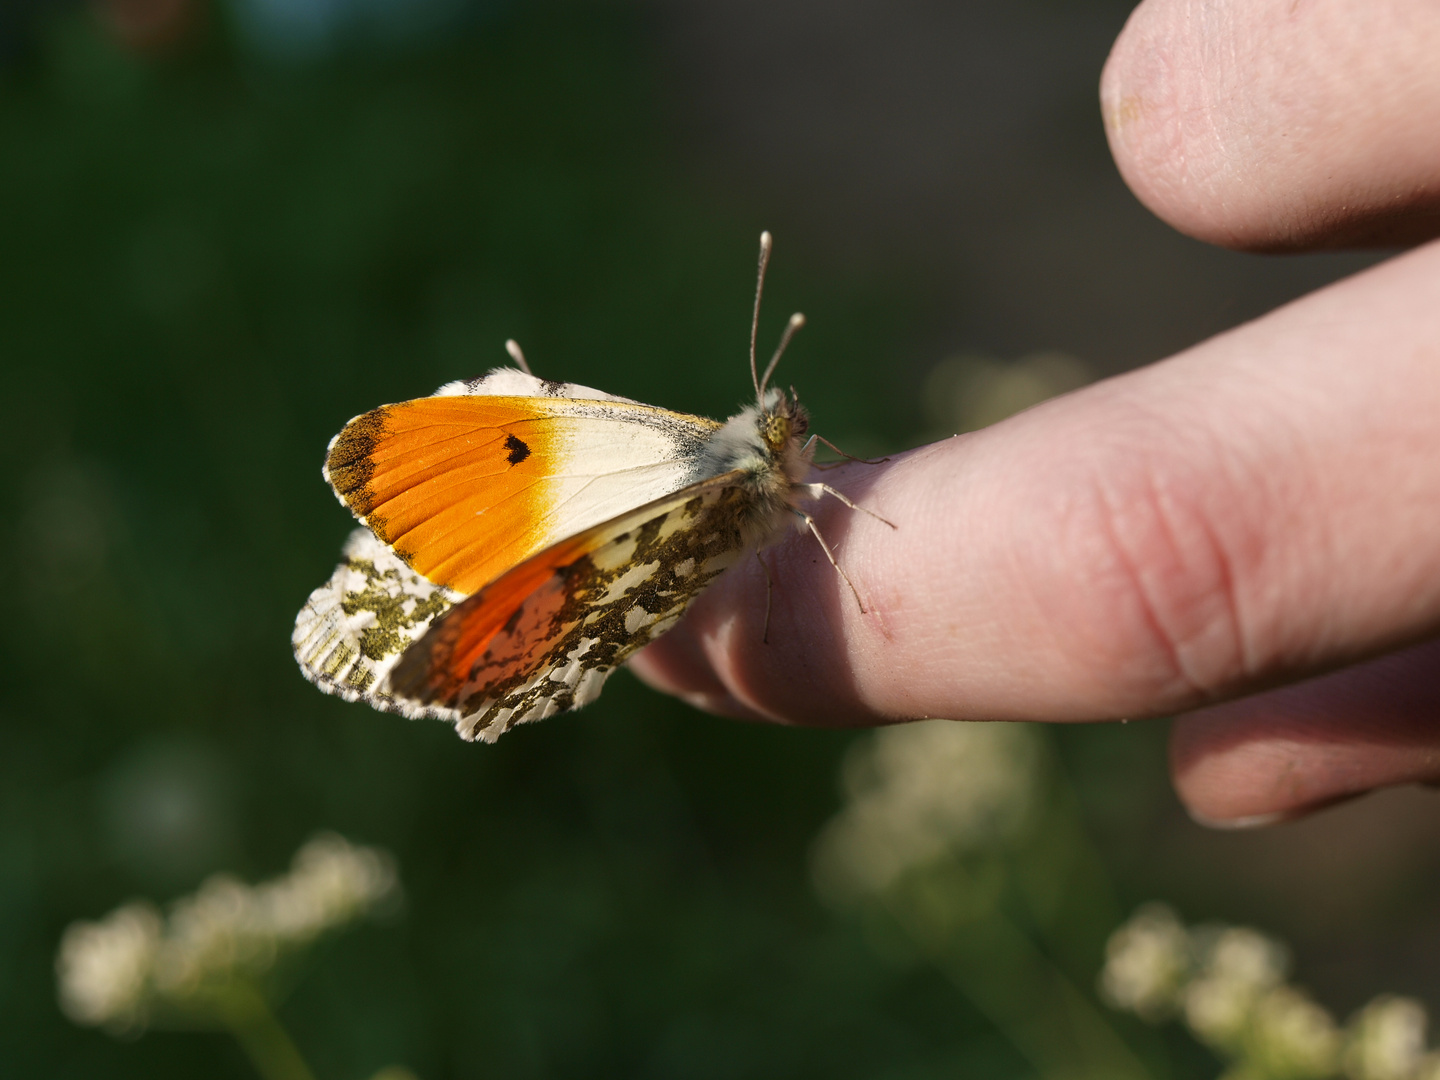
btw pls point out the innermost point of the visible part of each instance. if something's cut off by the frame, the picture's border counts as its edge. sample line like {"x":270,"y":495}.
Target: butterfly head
{"x":781,"y":420}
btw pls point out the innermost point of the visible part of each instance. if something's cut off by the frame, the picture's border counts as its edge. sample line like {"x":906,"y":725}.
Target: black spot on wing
{"x":515,"y":450}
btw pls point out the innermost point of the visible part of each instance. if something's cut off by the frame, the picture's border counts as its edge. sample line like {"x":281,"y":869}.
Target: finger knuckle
{"x":1151,"y":577}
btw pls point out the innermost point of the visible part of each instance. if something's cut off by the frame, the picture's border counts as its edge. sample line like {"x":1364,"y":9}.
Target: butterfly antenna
{"x":513,"y":348}
{"x":796,"y":322}
{"x":766,"y":243}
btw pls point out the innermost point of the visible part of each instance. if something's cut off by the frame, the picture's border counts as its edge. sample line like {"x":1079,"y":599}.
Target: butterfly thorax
{"x":766,"y":443}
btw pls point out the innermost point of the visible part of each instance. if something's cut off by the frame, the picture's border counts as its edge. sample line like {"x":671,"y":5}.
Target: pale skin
{"x":1247,"y":533}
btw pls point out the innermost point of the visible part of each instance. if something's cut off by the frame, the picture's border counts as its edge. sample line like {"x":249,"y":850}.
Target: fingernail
{"x":1253,"y":821}
{"x":720,"y":704}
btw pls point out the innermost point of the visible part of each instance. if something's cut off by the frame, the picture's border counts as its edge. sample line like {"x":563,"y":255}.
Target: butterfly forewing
{"x":468,"y":483}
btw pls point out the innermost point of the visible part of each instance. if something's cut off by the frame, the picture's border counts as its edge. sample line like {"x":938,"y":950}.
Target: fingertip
{"x":1259,"y":128}
{"x":1283,"y":754}
{"x":1154,"y":108}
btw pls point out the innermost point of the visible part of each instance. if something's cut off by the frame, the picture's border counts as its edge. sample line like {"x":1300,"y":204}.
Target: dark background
{"x":226,"y":228}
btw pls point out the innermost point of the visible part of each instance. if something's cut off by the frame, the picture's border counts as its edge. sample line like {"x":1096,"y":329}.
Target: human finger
{"x":1259,"y":508}
{"x":1272,"y":125}
{"x":1278,"y":754}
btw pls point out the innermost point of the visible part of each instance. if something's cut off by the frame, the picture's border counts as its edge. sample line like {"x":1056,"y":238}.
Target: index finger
{"x":1260,"y":507}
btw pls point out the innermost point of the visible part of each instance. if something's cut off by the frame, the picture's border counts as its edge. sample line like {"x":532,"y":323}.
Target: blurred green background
{"x":226,"y":228}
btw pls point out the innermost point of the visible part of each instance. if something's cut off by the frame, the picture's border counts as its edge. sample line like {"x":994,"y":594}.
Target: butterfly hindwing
{"x":354,"y":628}
{"x":543,"y":637}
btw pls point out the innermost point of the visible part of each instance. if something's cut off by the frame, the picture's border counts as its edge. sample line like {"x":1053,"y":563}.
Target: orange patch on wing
{"x":447,"y":660}
{"x":499,"y":637}
{"x":457,"y":485}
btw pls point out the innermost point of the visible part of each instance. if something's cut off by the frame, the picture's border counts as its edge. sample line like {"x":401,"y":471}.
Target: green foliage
{"x":206,"y":267}
{"x":207,"y":264}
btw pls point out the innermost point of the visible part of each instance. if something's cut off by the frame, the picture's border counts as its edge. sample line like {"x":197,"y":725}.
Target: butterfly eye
{"x":775,"y":430}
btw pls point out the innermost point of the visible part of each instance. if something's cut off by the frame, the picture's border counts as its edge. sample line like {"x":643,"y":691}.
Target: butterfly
{"x":520,"y":538}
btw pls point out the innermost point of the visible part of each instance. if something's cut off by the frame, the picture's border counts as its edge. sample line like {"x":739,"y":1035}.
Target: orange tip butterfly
{"x":521,"y":538}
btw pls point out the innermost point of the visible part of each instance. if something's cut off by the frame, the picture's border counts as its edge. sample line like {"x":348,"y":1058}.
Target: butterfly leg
{"x":769,"y":595}
{"x":815,"y":531}
{"x":815,"y":491}
{"x":821,"y":465}
{"x":831,"y":464}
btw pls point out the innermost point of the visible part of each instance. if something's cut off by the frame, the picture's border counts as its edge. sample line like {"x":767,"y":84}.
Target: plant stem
{"x":1031,"y":1002}
{"x":248,"y":1017}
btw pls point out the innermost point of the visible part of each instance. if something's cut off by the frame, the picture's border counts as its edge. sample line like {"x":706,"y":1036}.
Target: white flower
{"x":331,"y":881}
{"x":1235,"y":998}
{"x":1387,"y":1040}
{"x":104,"y":968}
{"x":917,"y":790}
{"x":1242,"y":956}
{"x":1240,"y":1004}
{"x":1146,"y":962}
{"x":229,"y":929}
{"x":1237,"y":965}
{"x":117,"y":972}
{"x":1291,"y":1036}
{"x":1218,"y":1011}
{"x":211,"y":937}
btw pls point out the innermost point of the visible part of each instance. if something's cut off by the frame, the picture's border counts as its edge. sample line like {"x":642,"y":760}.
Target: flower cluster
{"x":916,"y":791}
{"x":120,"y":972}
{"x":1229,"y":986}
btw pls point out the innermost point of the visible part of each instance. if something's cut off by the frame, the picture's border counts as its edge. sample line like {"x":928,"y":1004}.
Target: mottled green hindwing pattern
{"x":354,"y":628}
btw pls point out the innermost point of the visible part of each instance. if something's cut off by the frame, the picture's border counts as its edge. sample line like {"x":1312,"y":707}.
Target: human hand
{"x":1258,"y":510}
